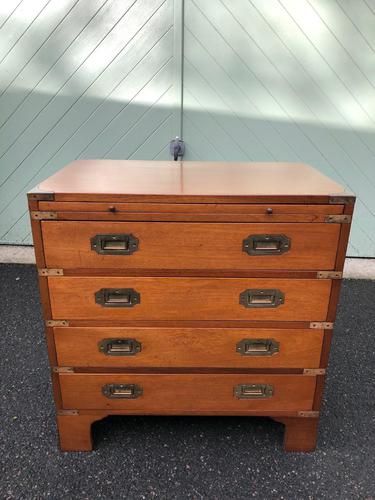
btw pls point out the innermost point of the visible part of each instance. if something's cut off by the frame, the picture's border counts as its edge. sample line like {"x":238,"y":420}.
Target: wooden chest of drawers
{"x":189,"y":288}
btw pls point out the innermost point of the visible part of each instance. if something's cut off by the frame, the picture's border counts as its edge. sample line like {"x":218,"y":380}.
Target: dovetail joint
{"x":313,"y":414}
{"x":62,"y":369}
{"x":314,"y":371}
{"x":43,"y":215}
{"x":338,"y":219}
{"x":331,"y":275}
{"x":61,"y":413}
{"x":57,"y":322}
{"x":50,"y":272}
{"x":321,"y":325}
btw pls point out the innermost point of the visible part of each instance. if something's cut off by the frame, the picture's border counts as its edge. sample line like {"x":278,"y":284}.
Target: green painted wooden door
{"x":281,"y":80}
{"x":80,"y":79}
{"x":286,"y":80}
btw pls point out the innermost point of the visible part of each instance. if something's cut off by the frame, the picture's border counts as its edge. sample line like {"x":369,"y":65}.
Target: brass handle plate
{"x":253,"y":391}
{"x":119,"y":347}
{"x":122,"y":391}
{"x":117,"y":297}
{"x":266,"y":244}
{"x":114,"y":244}
{"x":257,"y":347}
{"x":260,"y":297}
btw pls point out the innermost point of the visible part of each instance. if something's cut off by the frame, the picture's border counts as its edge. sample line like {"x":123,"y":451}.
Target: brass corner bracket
{"x":41,"y":195}
{"x":62,"y":413}
{"x":36,"y":215}
{"x":313,"y":372}
{"x":62,"y":369}
{"x":341,"y":199}
{"x":311,"y":414}
{"x":321,"y":325}
{"x":338,"y":219}
{"x":329,"y":275}
{"x":57,"y":322}
{"x":50,"y":272}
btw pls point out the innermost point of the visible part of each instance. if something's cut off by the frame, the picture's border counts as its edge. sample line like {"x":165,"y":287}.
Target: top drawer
{"x":183,"y":245}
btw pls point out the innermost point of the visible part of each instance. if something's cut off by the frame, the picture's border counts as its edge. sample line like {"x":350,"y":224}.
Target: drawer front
{"x":187,"y":347}
{"x":158,"y":393}
{"x":153,"y":245}
{"x":132,"y":298}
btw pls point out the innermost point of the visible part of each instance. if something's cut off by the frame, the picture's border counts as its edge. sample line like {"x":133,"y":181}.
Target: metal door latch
{"x":177,"y":148}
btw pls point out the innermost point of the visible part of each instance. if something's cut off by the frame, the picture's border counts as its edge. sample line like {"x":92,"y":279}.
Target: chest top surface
{"x":188,"y":180}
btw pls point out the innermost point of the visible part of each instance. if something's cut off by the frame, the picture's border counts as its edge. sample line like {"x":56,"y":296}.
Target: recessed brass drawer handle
{"x":266,"y":244}
{"x":253,"y":391}
{"x":119,"y":347}
{"x":255,"y":297}
{"x":257,"y":347}
{"x":122,"y":391}
{"x":117,"y":297}
{"x":114,"y":244}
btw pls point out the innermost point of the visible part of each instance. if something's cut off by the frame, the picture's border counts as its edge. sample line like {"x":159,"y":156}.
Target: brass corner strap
{"x":62,"y":369}
{"x":313,"y":372}
{"x":338,"y":219}
{"x":311,"y":414}
{"x":341,"y":199}
{"x":36,"y":215}
{"x":62,"y":413}
{"x":57,"y":322}
{"x":41,"y":196}
{"x":321,"y":325}
{"x":329,"y":275}
{"x":50,"y":272}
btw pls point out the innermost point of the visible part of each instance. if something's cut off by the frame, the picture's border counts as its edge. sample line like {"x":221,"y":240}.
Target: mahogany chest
{"x":189,"y":288}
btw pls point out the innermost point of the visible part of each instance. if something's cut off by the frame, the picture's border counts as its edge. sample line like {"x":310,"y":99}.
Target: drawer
{"x":170,"y":245}
{"x":158,"y":393}
{"x":130,"y":298}
{"x":188,"y":347}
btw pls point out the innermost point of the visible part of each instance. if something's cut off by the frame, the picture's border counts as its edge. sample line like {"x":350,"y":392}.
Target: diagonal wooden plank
{"x":262,"y":51}
{"x":302,"y":13}
{"x":42,"y":46}
{"x":140,"y":131}
{"x":240,"y":92}
{"x":336,"y":143}
{"x":61,"y":60}
{"x":161,"y":133}
{"x":39,"y":138}
{"x":18,"y":23}
{"x":204,"y":120}
{"x":123,"y":81}
{"x":197,"y":145}
{"x":360,"y":14}
{"x":138,"y":114}
{"x":284,"y":94}
{"x":49,"y":20}
{"x":343,"y":33}
{"x":129,"y":63}
{"x":7,"y":9}
{"x":209,"y":102}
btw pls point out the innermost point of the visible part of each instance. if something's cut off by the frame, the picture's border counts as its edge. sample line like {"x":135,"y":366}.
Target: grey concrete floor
{"x":183,"y":457}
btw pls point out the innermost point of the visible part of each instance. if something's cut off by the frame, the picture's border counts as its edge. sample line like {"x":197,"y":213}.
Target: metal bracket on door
{"x":177,"y":148}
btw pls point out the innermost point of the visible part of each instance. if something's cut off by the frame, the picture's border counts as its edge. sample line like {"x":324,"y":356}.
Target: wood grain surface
{"x":188,"y":298}
{"x":185,"y":180}
{"x":173,"y":245}
{"x":196,"y":392}
{"x":182,"y":208}
{"x":188,"y":347}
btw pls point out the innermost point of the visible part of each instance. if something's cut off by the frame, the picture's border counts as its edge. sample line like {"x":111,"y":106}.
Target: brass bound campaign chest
{"x":189,"y":288}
